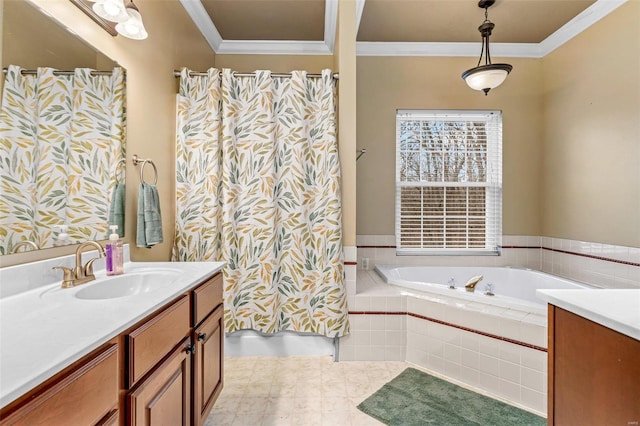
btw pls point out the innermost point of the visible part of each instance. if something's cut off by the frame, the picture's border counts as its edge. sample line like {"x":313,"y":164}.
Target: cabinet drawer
{"x":150,"y":342}
{"x":73,"y":397}
{"x":206,"y":298}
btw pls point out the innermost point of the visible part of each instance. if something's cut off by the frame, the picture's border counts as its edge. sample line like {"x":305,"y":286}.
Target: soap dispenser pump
{"x":63,"y":237}
{"x":114,"y":252}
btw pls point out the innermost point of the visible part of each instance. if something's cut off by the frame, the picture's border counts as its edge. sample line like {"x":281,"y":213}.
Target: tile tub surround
{"x":497,"y":351}
{"x":601,"y":265}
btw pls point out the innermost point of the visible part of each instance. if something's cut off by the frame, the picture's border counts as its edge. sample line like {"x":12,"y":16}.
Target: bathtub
{"x":512,"y":287}
{"x":285,"y":343}
{"x":495,"y":345}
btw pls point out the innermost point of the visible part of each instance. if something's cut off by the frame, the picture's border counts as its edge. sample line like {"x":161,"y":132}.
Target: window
{"x":448,"y":182}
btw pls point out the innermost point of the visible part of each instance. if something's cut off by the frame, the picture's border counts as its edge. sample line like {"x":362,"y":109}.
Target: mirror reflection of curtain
{"x":258,"y":185}
{"x":61,"y":137}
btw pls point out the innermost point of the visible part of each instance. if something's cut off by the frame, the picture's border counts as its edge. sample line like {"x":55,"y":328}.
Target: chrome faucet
{"x":25,"y":243}
{"x":80,"y":274}
{"x":473,"y":281}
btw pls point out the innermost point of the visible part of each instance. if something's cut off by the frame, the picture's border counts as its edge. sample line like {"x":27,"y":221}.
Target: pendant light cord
{"x":485,"y":40}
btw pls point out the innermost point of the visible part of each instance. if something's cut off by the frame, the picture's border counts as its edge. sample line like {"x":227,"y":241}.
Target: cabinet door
{"x":72,"y":397}
{"x":594,"y":373}
{"x":164,"y":397}
{"x":207,"y":370}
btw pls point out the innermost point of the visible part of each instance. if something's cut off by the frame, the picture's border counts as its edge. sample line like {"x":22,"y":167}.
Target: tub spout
{"x":473,"y":281}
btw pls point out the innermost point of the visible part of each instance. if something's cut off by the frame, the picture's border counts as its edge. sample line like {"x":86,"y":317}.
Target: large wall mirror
{"x":62,"y":135}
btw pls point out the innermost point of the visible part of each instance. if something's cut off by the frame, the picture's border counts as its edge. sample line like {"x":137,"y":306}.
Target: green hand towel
{"x":149,"y":232}
{"x":116,"y":209}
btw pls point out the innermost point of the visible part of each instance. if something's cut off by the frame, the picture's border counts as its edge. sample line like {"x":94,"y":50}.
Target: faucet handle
{"x":452,"y":283}
{"x":68,"y":276}
{"x":488,"y":289}
{"x":88,"y":267}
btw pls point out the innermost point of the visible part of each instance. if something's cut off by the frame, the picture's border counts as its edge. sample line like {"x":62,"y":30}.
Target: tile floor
{"x":300,"y":391}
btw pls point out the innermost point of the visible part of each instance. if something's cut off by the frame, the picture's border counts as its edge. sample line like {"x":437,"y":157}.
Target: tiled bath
{"x":498,"y":351}
{"x":493,"y":350}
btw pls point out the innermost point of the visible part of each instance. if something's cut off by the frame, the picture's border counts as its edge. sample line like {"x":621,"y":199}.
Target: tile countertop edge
{"x":19,"y":388}
{"x":602,"y":306}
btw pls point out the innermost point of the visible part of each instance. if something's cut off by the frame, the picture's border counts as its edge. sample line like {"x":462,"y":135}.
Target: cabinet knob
{"x":202,"y":336}
{"x":190,"y":349}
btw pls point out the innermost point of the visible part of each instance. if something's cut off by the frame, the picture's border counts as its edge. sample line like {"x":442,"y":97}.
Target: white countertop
{"x":617,"y":309}
{"x":45,"y":329}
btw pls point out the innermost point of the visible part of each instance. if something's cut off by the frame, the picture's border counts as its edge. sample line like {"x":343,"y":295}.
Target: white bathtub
{"x":285,"y":343}
{"x":512,"y":287}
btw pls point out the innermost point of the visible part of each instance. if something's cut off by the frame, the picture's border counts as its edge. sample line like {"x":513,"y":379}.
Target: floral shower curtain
{"x":259,"y":187}
{"x":61,"y":137}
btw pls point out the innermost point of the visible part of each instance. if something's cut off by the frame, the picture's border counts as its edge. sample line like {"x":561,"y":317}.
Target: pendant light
{"x":111,"y":10}
{"x":488,"y":76}
{"x":133,"y":26}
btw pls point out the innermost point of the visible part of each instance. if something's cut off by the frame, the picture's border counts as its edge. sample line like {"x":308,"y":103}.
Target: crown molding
{"x":578,"y":24}
{"x":273,"y":47}
{"x":508,"y":50}
{"x":199,"y":16}
{"x":330,"y":24}
{"x":581,"y":22}
{"x":359,"y":10}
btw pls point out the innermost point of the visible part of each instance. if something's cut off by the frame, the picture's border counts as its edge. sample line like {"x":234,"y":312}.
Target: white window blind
{"x":448,"y":182}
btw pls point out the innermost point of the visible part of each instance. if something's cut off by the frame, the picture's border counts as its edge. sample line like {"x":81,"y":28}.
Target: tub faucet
{"x":473,"y":281}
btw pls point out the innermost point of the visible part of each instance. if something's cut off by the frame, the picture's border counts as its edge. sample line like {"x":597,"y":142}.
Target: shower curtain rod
{"x":176,"y":73}
{"x":58,"y":72}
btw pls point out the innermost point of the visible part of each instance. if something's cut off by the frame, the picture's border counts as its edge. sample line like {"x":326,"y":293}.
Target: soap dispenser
{"x":63,"y":237}
{"x":114,"y":251}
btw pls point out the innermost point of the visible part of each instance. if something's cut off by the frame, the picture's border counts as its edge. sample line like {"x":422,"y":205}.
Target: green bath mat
{"x":415,"y":398}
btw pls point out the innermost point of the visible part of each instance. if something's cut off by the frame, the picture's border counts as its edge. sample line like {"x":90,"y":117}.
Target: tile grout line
{"x":459,"y":327}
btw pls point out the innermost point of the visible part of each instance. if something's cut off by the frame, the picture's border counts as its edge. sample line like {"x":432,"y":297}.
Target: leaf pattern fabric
{"x":61,"y":137}
{"x":258,"y":179}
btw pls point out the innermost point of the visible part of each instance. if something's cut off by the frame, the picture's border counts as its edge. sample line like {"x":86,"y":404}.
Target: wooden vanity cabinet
{"x":164,"y":370}
{"x":175,"y":360}
{"x":151,"y":341}
{"x":158,"y":360}
{"x":85,"y":393}
{"x":164,"y":397}
{"x":208,"y":335}
{"x":594,"y":373}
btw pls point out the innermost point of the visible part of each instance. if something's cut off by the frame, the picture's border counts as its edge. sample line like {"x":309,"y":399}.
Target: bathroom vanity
{"x":102,"y":354}
{"x":594,"y":357}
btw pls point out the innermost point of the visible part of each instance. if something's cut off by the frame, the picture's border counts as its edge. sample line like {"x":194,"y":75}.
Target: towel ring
{"x":122,"y":162}
{"x":137,"y":160}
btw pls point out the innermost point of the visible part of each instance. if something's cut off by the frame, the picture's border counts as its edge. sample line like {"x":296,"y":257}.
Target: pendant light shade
{"x":488,"y":76}
{"x":111,"y":10}
{"x":133,"y":27}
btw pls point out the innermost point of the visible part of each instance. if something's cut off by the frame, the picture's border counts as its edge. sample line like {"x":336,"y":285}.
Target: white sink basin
{"x":129,"y":284}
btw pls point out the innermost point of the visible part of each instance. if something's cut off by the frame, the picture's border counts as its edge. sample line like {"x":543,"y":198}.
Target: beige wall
{"x":151,"y":92}
{"x":389,"y":83}
{"x":347,"y":103}
{"x":591,"y":167}
{"x":32,"y":39}
{"x":275,"y":63}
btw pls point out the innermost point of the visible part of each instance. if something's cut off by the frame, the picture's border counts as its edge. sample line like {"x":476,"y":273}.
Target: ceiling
{"x":526,"y":28}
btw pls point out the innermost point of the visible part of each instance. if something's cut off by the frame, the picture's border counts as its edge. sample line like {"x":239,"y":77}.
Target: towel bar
{"x":122,"y":162}
{"x":137,"y":160}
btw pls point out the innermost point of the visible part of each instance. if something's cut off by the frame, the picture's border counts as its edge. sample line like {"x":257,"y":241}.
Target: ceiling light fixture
{"x":133,"y":26}
{"x":488,"y":76}
{"x":111,"y":10}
